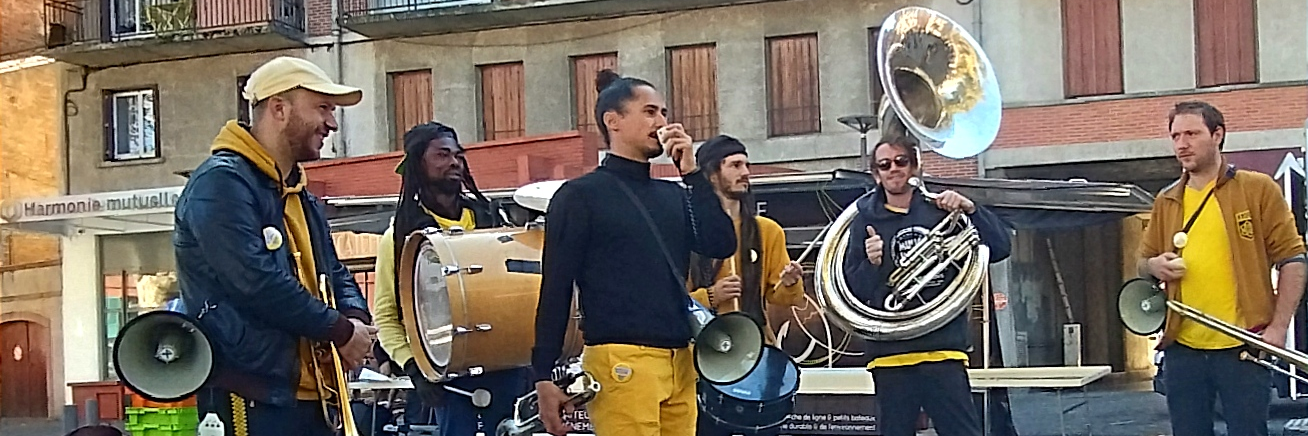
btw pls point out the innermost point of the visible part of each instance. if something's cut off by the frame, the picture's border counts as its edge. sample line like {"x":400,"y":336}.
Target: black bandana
{"x":713,"y":151}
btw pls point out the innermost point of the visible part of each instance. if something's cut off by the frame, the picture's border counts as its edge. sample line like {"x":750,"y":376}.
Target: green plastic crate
{"x":173,"y":417}
{"x":159,"y":430}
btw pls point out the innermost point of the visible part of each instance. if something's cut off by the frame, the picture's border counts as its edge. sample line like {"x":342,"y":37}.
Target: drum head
{"x":431,"y":296}
{"x":775,"y":377}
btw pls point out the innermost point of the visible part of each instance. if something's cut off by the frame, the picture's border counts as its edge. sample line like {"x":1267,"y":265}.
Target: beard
{"x":448,"y":186}
{"x":655,"y":152}
{"x":300,"y":136}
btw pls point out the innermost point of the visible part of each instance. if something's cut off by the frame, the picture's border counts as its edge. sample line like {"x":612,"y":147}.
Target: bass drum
{"x":468,"y":300}
{"x":760,"y":401}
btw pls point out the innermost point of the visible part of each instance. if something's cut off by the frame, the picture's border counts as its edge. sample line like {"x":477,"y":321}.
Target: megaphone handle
{"x":735,"y":302}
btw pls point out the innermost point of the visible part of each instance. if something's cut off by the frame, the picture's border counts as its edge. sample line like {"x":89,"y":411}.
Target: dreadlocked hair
{"x":704,"y":270}
{"x":409,"y":215}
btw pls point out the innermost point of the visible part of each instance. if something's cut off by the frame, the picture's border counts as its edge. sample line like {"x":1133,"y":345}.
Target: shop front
{"x":117,"y":263}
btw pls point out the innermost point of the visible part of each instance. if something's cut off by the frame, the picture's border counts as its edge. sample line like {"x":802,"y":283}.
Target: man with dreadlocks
{"x":433,"y":173}
{"x":761,"y":263}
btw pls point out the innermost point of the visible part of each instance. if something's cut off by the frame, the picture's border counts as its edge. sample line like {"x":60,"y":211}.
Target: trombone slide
{"x":1292,"y":357}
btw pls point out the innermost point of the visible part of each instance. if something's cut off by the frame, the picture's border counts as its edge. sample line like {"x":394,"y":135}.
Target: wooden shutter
{"x":411,"y":93}
{"x":793,"y":103}
{"x":584,"y":70}
{"x":875,"y":90}
{"x":693,"y":85}
{"x":1226,"y":43}
{"x":503,"y":108}
{"x":1092,"y":47}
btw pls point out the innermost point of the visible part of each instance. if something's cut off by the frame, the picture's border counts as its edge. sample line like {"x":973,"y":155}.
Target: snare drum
{"x":760,"y":401}
{"x":468,"y":299}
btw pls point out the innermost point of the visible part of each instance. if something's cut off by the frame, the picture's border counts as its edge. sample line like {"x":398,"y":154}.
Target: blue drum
{"x":760,"y":401}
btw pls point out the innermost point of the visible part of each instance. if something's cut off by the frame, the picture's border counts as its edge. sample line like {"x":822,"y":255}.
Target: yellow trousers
{"x":644,"y":391}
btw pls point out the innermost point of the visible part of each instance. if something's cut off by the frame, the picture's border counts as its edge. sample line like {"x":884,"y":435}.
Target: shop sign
{"x":90,"y":205}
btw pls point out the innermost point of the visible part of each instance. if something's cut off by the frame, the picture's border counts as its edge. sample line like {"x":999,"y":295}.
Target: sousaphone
{"x":941,"y":90}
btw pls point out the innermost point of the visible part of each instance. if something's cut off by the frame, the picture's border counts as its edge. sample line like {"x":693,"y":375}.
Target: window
{"x":367,"y":281}
{"x":242,"y":105}
{"x":411,"y":97}
{"x":584,"y":70}
{"x":137,"y":276}
{"x":130,"y":125}
{"x":693,"y":85}
{"x":130,"y":17}
{"x":1092,"y":48}
{"x":503,"y":110}
{"x":1226,"y":45}
{"x":875,"y":90}
{"x":793,"y":102}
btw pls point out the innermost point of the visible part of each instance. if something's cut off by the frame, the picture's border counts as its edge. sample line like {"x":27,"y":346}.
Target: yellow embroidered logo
{"x":1244,"y":225}
{"x":621,"y":372}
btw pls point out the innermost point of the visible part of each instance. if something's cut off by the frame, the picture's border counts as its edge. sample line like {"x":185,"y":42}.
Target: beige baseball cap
{"x":286,"y":73}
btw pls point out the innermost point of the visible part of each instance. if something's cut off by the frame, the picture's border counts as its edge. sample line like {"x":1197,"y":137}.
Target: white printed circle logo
{"x":904,"y":241}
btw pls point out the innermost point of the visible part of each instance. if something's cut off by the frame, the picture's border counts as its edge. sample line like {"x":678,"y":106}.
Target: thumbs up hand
{"x":873,"y":246}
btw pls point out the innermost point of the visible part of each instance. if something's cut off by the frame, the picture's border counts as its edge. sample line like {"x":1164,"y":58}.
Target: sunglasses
{"x":902,"y":161}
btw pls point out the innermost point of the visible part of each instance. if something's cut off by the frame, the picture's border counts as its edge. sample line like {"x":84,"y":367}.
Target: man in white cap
{"x":253,"y":251}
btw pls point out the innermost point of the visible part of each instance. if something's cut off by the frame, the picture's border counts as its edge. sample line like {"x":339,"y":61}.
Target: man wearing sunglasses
{"x":929,"y":372}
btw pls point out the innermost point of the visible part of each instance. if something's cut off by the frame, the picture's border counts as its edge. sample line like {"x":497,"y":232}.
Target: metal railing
{"x":72,"y":21}
{"x":355,"y":8}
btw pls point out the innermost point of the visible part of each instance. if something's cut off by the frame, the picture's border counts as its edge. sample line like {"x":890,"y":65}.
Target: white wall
{"x":81,"y":311}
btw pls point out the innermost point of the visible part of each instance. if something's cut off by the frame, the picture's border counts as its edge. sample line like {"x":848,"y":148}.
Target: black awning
{"x":806,"y":202}
{"x":368,"y":222}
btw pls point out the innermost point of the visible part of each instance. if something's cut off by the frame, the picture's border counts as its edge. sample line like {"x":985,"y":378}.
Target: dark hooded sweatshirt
{"x":900,"y":232}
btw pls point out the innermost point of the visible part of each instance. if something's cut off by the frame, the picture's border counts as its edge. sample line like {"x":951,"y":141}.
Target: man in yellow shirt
{"x":1214,"y":237}
{"x":434,"y":172}
{"x":761,"y":263}
{"x":929,"y":372}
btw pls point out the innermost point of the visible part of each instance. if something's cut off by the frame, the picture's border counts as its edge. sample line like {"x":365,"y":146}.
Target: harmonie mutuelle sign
{"x":116,"y":203}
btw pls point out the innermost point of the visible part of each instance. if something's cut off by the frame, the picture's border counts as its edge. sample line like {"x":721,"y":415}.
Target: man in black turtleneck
{"x":636,"y":323}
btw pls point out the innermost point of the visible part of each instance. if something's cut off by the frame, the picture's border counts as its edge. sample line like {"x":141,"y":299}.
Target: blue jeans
{"x":1196,"y":378}
{"x":458,"y":417}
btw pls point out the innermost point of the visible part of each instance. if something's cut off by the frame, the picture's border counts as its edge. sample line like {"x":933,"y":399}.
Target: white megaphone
{"x":163,"y":356}
{"x":1142,"y":306}
{"x":727,"y":347}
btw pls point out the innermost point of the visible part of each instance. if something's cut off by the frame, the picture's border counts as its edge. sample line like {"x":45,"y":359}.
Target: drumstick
{"x":808,"y":250}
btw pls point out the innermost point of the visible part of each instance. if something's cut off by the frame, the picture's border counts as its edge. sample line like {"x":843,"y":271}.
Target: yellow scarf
{"x":238,"y":140}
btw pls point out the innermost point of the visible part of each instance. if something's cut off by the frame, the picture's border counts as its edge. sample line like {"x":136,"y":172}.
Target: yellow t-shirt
{"x":772,"y":240}
{"x":386,"y":314}
{"x":1209,"y":281}
{"x":910,"y":359}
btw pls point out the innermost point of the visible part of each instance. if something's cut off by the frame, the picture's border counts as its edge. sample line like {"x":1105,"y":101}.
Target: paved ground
{"x":1104,"y":410}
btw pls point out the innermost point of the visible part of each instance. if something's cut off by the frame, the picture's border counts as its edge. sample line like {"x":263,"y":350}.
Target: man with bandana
{"x":761,"y":264}
{"x":433,"y":173}
{"x":254,"y":251}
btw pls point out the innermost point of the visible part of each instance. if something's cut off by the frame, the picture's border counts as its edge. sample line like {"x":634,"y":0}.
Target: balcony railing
{"x":77,"y":21}
{"x":355,"y":8}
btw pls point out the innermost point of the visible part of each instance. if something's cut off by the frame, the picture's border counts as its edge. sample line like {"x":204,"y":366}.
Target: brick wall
{"x":1267,"y":108}
{"x":507,"y":163}
{"x":318,"y":16}
{"x":29,"y":153}
{"x":21,"y":24}
{"x":1144,"y":118}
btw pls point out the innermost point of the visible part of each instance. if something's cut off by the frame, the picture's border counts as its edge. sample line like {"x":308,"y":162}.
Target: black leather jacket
{"x":243,"y":290}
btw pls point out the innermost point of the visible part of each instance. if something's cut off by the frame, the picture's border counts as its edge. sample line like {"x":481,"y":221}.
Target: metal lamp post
{"x":861,"y":123}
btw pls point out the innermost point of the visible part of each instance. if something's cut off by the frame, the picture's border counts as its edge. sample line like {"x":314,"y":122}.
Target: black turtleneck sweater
{"x":597,"y":239}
